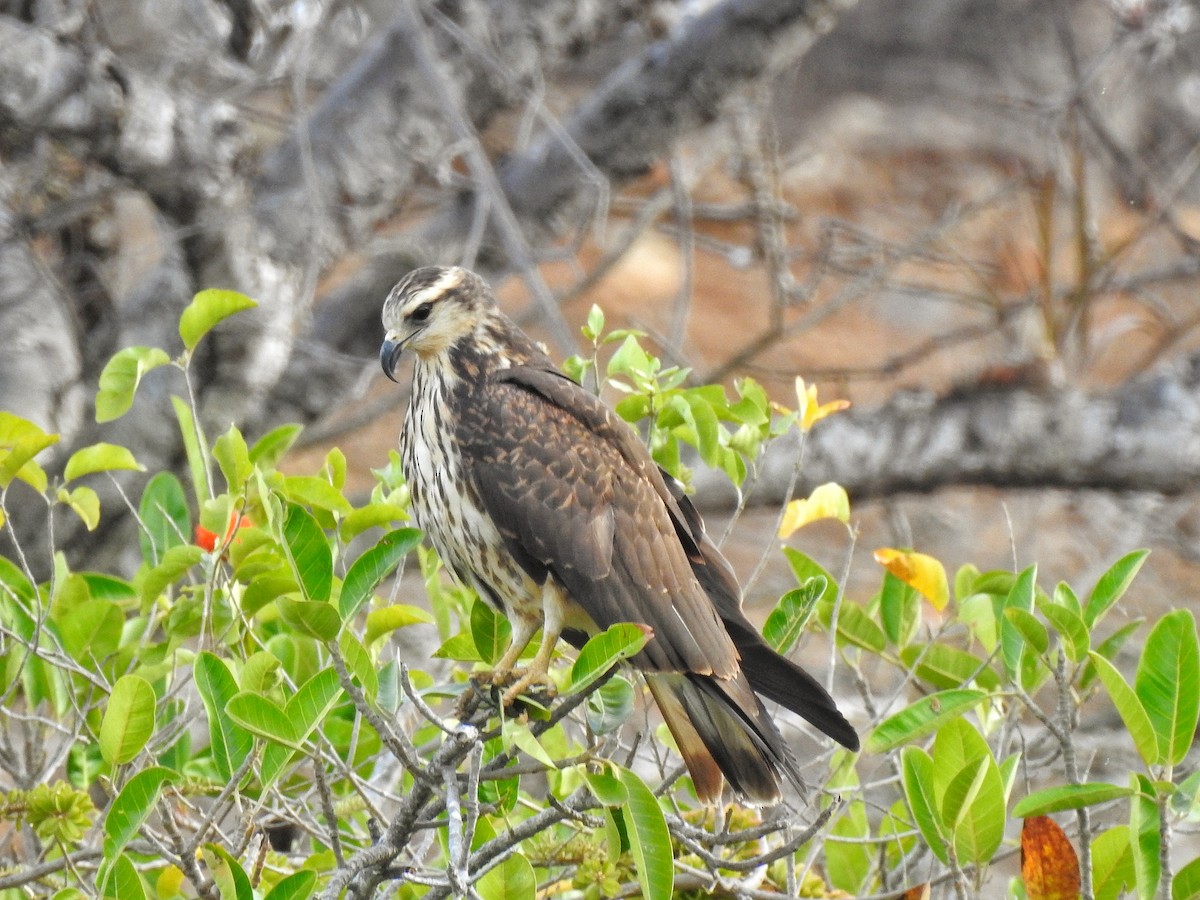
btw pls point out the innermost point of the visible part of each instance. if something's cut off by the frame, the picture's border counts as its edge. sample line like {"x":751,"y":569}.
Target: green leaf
{"x":1011,"y":638}
{"x":1168,"y":683}
{"x":1186,"y":883}
{"x":594,"y":327}
{"x":197,"y":459}
{"x":630,"y":360}
{"x":1070,"y":627}
{"x":121,"y":880}
{"x":84,"y":502}
{"x":308,"y":553}
{"x":261,"y":716}
{"x":359,"y":663}
{"x":803,"y":568}
{"x":964,"y":581}
{"x":491,"y":632}
{"x":605,"y":650}
{"x":230,"y":877}
{"x":961,"y":791}
{"x":460,"y":647}
{"x":1112,"y":585}
{"x":164,"y":516}
{"x":379,"y":514}
{"x":109,"y":587}
{"x":373,"y":566}
{"x":305,"y":712}
{"x":175,"y":563}
{"x":387,"y":619}
{"x":297,"y":886}
{"x":610,"y":705}
{"x":1065,"y":598}
{"x":1145,"y":837}
{"x":120,"y":379}
{"x":917,"y":775}
{"x":922,"y":718}
{"x":607,"y":789}
{"x":1068,"y":796}
{"x":316,"y":492}
{"x":649,"y":839}
{"x":517,"y":734}
{"x":132,"y":806}
{"x":1129,"y":706}
{"x":313,"y":701}
{"x":856,"y":627}
{"x":786,"y":621}
{"x":128,"y":720}
{"x":315,"y":618}
{"x":1112,"y":864}
{"x":100,"y":457}
{"x":945,"y":667}
{"x":234,"y":459}
{"x":708,"y":429}
{"x":259,"y":673}
{"x":1033,"y":631}
{"x":229,"y":743}
{"x":899,"y":609}
{"x":1108,"y":648}
{"x":269,"y":449}
{"x":968,"y":786}
{"x":513,"y":879}
{"x":92,"y":629}
{"x":848,"y":854}
{"x":20,"y":441}
{"x":207,"y":309}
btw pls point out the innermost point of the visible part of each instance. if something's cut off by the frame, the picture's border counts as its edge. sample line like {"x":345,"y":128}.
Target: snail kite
{"x":537,"y":495}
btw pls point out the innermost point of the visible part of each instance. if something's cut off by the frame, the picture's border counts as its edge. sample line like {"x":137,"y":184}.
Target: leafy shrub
{"x":233,"y":720}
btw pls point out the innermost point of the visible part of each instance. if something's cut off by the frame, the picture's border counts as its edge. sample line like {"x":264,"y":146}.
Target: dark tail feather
{"x":770,"y":674}
{"x":778,"y":678}
{"x":717,"y":737}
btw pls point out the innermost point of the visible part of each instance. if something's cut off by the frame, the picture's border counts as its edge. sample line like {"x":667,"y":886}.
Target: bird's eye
{"x":421,"y":313}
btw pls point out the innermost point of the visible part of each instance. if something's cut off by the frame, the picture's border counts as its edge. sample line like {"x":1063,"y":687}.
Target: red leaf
{"x":1048,"y":861}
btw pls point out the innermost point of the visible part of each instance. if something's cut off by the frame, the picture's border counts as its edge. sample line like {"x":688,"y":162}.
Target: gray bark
{"x":1143,"y":436}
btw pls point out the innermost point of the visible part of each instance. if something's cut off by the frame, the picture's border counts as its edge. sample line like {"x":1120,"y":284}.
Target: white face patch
{"x":449,"y":280}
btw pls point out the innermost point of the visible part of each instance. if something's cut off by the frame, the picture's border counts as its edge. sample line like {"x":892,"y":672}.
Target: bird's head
{"x":429,"y":310}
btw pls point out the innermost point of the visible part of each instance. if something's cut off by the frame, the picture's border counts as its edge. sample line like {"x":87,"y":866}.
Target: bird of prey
{"x":536,"y":494}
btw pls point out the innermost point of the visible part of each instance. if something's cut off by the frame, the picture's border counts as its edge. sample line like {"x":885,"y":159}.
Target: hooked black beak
{"x":389,"y":355}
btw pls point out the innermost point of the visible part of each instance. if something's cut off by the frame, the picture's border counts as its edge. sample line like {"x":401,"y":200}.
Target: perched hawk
{"x":537,"y":495}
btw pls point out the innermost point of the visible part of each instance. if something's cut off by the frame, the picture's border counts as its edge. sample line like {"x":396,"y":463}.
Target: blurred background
{"x":976,"y":220}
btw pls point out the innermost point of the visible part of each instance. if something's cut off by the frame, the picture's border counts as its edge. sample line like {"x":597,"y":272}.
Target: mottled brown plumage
{"x":536,"y":494}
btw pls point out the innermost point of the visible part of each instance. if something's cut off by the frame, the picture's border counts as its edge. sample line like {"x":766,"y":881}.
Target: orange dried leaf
{"x":921,"y":572}
{"x":1049,"y":865}
{"x":917,"y":892}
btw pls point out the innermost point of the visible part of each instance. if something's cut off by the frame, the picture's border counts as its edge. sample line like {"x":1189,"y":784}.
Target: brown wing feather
{"x":571,"y":493}
{"x":775,"y":677}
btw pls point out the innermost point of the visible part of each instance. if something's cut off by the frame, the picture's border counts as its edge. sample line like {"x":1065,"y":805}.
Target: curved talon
{"x":527,"y":679}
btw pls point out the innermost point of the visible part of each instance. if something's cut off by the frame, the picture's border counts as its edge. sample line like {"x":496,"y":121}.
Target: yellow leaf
{"x":829,"y":501}
{"x":923,"y":573}
{"x":170,"y":882}
{"x":85,"y":502}
{"x":810,"y":409}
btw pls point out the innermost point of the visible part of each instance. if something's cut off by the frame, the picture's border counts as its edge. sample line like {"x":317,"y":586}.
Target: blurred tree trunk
{"x":308,"y":154}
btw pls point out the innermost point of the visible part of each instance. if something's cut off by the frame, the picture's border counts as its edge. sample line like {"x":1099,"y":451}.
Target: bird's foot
{"x":516,"y":682}
{"x":539,"y":679}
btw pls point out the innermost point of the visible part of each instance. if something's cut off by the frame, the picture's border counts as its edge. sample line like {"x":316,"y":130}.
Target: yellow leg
{"x":523,"y":630}
{"x":553,"y":611}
